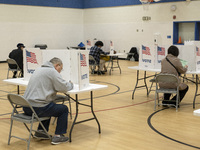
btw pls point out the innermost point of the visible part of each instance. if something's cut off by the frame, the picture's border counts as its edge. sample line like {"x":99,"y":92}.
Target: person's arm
{"x":179,"y":66}
{"x":60,"y":84}
{"x":11,"y":55}
{"x":102,"y":52}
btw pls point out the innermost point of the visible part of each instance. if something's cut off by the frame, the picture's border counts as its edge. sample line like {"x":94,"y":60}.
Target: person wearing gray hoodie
{"x":41,"y":92}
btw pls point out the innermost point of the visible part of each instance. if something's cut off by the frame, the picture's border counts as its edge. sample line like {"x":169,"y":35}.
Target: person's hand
{"x":186,"y":66}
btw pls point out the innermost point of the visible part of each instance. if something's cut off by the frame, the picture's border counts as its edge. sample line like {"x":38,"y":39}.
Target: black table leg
{"x":145,"y":83}
{"x":197,"y":80}
{"x":70,"y":133}
{"x":18,"y":89}
{"x":118,"y":65}
{"x":91,"y":96}
{"x":111,"y":67}
{"x":135,"y":84}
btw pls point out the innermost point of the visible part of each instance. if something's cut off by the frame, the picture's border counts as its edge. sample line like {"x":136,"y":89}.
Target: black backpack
{"x":134,"y":54}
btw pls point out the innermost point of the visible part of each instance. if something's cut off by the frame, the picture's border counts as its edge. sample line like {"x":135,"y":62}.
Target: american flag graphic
{"x":111,"y":43}
{"x":198,"y":51}
{"x":161,"y":51}
{"x":31,"y":57}
{"x":88,"y":42}
{"x":145,"y":50}
{"x":83,"y":60}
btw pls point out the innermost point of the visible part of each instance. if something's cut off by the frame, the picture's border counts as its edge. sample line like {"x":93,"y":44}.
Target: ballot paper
{"x":183,"y":62}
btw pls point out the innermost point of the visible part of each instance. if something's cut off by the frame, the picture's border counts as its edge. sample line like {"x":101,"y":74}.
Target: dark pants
{"x":181,"y":95}
{"x":55,"y":110}
{"x":15,"y":72}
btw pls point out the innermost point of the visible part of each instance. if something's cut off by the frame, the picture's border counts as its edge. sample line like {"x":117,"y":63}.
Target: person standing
{"x":17,"y":55}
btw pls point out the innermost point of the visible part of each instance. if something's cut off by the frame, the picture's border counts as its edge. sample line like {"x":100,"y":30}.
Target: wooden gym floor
{"x":126,"y":124}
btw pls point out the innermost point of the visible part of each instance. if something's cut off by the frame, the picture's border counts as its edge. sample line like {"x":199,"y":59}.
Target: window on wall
{"x":186,"y":30}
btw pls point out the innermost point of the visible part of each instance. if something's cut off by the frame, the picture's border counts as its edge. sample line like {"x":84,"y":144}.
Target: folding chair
{"x":18,"y":102}
{"x":93,"y":64}
{"x":153,"y":80}
{"x":13,"y":66}
{"x":166,"y":78}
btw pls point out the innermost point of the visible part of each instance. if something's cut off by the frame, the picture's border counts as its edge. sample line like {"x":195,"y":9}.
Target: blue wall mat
{"x":50,"y":3}
{"x":78,"y":3}
{"x":111,"y":3}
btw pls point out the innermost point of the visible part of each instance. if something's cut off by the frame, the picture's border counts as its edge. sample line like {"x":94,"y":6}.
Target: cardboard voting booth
{"x":79,"y":68}
{"x":108,"y":45}
{"x":111,"y":47}
{"x":89,"y":44}
{"x":32,"y":59}
{"x":188,"y":53}
{"x":147,"y":56}
{"x":64,"y":55}
{"x":197,"y":57}
{"x":161,"y":53}
{"x":75,"y":64}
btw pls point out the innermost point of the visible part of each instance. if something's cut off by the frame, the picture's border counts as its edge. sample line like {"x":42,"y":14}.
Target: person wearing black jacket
{"x":17,"y":55}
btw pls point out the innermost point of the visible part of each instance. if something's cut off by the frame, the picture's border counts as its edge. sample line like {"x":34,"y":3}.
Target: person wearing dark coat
{"x":17,"y":55}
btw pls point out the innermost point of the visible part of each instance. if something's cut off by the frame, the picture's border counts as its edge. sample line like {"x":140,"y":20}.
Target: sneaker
{"x":95,"y":72}
{"x":40,"y":135}
{"x":59,"y":139}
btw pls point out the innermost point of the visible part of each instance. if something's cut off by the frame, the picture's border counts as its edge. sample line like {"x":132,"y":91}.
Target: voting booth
{"x":151,"y":56}
{"x":75,"y":63}
{"x":147,"y":56}
{"x":32,"y":59}
{"x":89,"y":44}
{"x":161,"y":53}
{"x":108,"y":45}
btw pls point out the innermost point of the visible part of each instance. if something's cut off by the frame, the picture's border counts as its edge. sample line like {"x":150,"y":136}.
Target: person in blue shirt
{"x":96,"y":51}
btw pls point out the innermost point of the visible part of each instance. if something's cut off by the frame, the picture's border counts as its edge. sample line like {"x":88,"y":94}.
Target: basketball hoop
{"x":145,"y":4}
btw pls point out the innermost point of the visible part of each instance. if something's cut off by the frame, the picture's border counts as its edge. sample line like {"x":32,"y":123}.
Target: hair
{"x":56,"y":60}
{"x":19,"y":45}
{"x":99,"y":43}
{"x":173,"y":50}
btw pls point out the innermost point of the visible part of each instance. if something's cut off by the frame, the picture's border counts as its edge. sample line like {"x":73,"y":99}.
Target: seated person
{"x":176,"y":68}
{"x":96,"y":51}
{"x":106,"y":58}
{"x":41,"y":91}
{"x":17,"y":55}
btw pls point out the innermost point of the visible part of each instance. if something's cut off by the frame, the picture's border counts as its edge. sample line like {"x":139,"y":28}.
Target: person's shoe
{"x":59,"y":139}
{"x":99,"y":73}
{"x":40,"y":135}
{"x":102,"y":72}
{"x":95,"y":72}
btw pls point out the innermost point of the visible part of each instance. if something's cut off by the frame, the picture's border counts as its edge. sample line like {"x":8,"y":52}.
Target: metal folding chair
{"x":13,"y":66}
{"x":166,"y":78}
{"x":17,"y":102}
{"x":93,"y":64}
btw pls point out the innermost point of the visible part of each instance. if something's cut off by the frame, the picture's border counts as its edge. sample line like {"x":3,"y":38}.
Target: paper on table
{"x":183,"y":62}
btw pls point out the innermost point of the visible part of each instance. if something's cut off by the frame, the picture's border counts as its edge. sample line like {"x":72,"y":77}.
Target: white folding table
{"x":76,"y":91}
{"x":196,"y":82}
{"x":110,"y":64}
